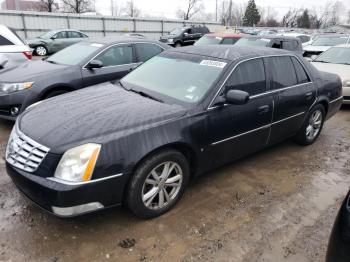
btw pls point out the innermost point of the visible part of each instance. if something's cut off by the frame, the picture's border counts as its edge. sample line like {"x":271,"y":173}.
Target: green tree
{"x":251,"y":15}
{"x":303,"y":21}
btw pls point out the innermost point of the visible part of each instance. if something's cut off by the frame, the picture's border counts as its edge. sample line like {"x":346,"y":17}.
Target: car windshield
{"x":335,"y":55}
{"x":329,"y":40}
{"x":74,"y":54}
{"x":209,"y":40}
{"x":47,"y":35}
{"x":253,"y":42}
{"x":177,"y":31}
{"x":176,"y":77}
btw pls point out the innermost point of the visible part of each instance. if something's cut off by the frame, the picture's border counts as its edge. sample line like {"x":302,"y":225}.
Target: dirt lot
{"x":277,"y":205}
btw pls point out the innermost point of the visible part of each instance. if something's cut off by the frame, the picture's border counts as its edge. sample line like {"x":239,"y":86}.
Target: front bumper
{"x":68,"y":200}
{"x":346,"y":95}
{"x":20,"y":100}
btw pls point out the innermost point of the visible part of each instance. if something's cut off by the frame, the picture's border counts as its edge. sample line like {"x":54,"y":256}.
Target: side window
{"x":288,"y":45}
{"x":61,"y":35}
{"x":283,"y":73}
{"x":5,"y":41}
{"x":301,"y":74}
{"x":243,"y":79}
{"x":147,"y":51}
{"x":72,"y":34}
{"x":116,"y":55}
{"x":277,"y":44}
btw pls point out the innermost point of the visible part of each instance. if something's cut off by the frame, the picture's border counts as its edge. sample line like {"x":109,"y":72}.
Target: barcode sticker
{"x":213,"y":63}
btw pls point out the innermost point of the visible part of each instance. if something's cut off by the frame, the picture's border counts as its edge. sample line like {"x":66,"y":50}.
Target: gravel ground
{"x":276,"y":205}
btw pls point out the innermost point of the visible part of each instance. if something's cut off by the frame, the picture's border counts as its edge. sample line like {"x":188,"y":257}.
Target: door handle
{"x":308,"y":96}
{"x":263,"y":109}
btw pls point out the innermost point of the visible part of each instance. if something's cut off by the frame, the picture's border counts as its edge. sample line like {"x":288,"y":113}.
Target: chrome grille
{"x":23,"y":152}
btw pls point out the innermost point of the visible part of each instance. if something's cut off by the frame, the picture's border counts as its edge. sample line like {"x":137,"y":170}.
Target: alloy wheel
{"x":40,"y":50}
{"x":162,"y":185}
{"x":314,"y":126}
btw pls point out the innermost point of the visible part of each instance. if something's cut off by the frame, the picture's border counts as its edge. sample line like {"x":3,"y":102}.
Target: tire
{"x":312,"y":126}
{"x":41,"y":50}
{"x":55,"y":93}
{"x":144,"y":198}
{"x":178,"y":44}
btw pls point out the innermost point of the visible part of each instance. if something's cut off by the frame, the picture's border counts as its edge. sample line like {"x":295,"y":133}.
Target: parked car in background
{"x":339,"y":242}
{"x":323,"y":42}
{"x":304,"y":38}
{"x":279,"y":42}
{"x":184,"y":35}
{"x":13,"y":50}
{"x":84,"y":64}
{"x":336,"y":60}
{"x":55,"y":40}
{"x":218,"y":39}
{"x":182,"y":113}
{"x":267,"y":32}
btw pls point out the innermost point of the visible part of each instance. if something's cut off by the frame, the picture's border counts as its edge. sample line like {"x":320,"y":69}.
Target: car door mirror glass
{"x":237,"y":97}
{"x":94,"y":64}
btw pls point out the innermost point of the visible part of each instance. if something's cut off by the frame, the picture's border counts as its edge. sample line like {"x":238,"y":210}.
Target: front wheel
{"x":41,"y":50}
{"x":312,"y":126}
{"x":158,"y":184}
{"x":178,"y":44}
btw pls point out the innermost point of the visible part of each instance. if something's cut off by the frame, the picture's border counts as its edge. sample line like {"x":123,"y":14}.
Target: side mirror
{"x":94,"y":64}
{"x":53,"y":37}
{"x":237,"y":97}
{"x":3,"y":63}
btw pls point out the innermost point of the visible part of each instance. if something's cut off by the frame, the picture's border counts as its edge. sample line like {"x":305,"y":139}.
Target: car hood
{"x":316,"y":48}
{"x":97,"y":114}
{"x":342,"y":70}
{"x":29,"y":70}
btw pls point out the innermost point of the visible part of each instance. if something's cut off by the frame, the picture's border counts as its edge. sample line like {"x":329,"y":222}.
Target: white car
{"x":13,"y":50}
{"x":336,"y":60}
{"x":323,"y":43}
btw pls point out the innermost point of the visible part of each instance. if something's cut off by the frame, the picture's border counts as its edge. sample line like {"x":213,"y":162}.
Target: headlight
{"x":14,"y":87}
{"x":346,"y":83}
{"x":170,"y":40}
{"x":77,"y":164}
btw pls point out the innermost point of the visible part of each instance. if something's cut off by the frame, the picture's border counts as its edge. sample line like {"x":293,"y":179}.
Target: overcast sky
{"x":167,"y":8}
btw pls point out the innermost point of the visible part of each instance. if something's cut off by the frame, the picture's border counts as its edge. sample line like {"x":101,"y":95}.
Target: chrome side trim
{"x":279,"y":90}
{"x":257,"y":129}
{"x":335,"y":100}
{"x":287,"y":118}
{"x":242,"y":134}
{"x":257,"y":57}
{"x":61,"y":181}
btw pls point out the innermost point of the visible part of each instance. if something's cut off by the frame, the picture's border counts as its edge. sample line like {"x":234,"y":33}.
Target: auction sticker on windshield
{"x":213,"y":63}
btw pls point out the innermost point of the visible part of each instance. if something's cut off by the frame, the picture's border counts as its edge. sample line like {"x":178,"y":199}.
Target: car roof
{"x":343,"y":46}
{"x":122,"y":39}
{"x":226,"y":35}
{"x":229,"y":52}
{"x":272,"y":37}
{"x":293,"y":34}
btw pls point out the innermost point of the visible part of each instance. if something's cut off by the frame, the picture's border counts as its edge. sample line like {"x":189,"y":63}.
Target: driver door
{"x":237,"y":130}
{"x":118,"y":60}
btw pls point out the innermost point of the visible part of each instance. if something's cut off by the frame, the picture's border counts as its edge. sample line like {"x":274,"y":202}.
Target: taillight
{"x":28,"y":54}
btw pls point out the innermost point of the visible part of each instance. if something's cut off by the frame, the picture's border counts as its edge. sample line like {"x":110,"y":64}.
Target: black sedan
{"x":180,"y":114}
{"x":84,"y":64}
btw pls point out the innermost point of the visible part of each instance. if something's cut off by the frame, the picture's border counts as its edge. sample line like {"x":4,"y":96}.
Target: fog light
{"x":14,"y":111}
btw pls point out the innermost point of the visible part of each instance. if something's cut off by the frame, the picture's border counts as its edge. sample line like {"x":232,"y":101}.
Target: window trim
{"x":210,"y":107}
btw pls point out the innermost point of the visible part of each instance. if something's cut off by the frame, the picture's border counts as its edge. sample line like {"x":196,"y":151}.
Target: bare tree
{"x":192,"y":8}
{"x":290,"y":18}
{"x":131,"y":10}
{"x":49,"y":5}
{"x":78,"y":6}
{"x":231,"y":13}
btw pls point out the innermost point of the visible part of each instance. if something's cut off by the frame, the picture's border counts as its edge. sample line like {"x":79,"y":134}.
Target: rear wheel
{"x":41,"y":50}
{"x":312,"y":126}
{"x":158,"y":184}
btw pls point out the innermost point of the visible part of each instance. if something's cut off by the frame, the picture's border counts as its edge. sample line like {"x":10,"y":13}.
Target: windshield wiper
{"x":321,"y":61}
{"x":145,"y":95}
{"x":50,"y":61}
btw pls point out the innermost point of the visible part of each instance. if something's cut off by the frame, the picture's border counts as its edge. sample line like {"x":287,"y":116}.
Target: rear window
{"x":209,"y":40}
{"x":253,"y":42}
{"x":5,"y":41}
{"x":229,"y":41}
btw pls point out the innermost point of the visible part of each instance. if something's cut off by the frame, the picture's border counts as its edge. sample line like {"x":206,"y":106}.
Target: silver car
{"x":55,"y":40}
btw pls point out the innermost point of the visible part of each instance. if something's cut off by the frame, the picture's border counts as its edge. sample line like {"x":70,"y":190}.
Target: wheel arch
{"x":56,"y":87}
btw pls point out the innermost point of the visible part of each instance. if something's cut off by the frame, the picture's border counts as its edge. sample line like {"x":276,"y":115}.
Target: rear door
{"x":73,"y":37}
{"x":59,"y":41}
{"x":237,"y":130}
{"x":293,"y":94}
{"x":118,"y":60}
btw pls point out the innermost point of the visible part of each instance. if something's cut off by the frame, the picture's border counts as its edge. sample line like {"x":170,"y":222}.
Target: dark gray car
{"x":55,"y":40}
{"x":84,"y":64}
